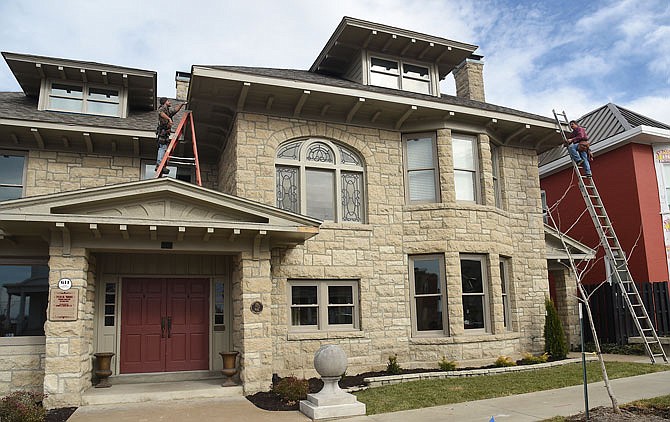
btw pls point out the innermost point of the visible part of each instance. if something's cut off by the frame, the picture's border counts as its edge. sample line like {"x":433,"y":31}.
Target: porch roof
{"x":151,"y":214}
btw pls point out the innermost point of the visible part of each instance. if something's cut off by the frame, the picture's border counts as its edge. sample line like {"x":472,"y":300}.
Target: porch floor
{"x":159,"y":391}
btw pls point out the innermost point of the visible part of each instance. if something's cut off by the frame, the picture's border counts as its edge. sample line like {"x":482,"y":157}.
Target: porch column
{"x":567,"y":303}
{"x":252,"y":329}
{"x":69,"y":344}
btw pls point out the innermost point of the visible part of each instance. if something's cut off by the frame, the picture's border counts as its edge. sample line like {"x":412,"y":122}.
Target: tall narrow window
{"x":219,"y":305}
{"x":465,"y":167}
{"x":504,"y":285}
{"x":421,"y":168}
{"x":495,"y":171}
{"x":110,"y":304}
{"x":428,"y":290}
{"x":321,"y":179}
{"x":545,"y":210}
{"x":11,"y":175}
{"x":474,"y":285}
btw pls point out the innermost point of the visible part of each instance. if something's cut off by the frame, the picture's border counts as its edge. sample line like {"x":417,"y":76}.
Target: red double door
{"x":164,"y":325}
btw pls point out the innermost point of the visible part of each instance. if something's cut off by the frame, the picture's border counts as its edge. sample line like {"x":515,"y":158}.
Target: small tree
{"x":554,"y":336}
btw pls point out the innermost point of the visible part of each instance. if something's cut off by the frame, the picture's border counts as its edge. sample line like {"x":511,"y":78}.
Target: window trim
{"x":476,"y":171}
{"x":322,"y":305}
{"x":444,"y":332}
{"x":23,"y":154}
{"x":146,"y":171}
{"x":433,"y":81}
{"x":486,"y":280}
{"x":46,"y":89}
{"x":435,"y":168}
{"x":338,"y":168}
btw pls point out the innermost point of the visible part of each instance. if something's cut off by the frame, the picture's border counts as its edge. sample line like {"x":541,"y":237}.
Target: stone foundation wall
{"x":22,"y":364}
{"x":376,"y":253}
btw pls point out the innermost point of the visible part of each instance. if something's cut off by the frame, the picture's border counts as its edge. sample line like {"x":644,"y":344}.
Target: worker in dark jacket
{"x":165,"y":114}
{"x":581,"y":157}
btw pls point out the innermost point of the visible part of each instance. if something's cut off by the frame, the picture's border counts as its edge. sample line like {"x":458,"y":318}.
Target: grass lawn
{"x":418,"y":394}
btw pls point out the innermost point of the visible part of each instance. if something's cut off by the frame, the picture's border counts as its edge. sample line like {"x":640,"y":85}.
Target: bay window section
{"x":474,"y":297}
{"x":321,"y":305}
{"x":421,"y":168}
{"x":427,"y":284}
{"x":465,"y":167}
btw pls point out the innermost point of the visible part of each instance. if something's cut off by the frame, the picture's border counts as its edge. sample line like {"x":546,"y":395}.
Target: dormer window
{"x":400,"y":75}
{"x":83,"y":98}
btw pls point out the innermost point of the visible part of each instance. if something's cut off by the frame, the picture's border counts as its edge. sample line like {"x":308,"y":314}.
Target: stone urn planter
{"x":229,"y":367}
{"x":103,"y":372}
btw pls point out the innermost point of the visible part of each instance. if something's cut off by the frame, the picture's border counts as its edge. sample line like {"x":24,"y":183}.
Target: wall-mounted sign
{"x":63,"y":305}
{"x":256,"y":307}
{"x":64,"y":284}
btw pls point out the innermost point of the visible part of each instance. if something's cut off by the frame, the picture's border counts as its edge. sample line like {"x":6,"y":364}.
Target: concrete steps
{"x":159,"y":391}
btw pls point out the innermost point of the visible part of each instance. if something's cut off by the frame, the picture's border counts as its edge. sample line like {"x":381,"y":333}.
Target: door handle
{"x":162,"y":327}
{"x":169,"y":326}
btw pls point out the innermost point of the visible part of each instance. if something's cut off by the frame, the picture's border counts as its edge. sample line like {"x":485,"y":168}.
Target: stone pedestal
{"x":330,"y":362}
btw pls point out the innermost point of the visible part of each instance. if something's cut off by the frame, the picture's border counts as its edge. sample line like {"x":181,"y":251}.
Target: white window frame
{"x":442,"y":295}
{"x":504,"y":264}
{"x":474,"y":170}
{"x":23,"y":174}
{"x":45,"y":97}
{"x":337,"y":168}
{"x":322,"y":305}
{"x":435,"y":167}
{"x":486,"y":303}
{"x":432,"y":90}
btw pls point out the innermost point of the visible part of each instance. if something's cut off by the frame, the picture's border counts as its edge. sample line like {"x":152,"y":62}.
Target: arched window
{"x":321,"y":179}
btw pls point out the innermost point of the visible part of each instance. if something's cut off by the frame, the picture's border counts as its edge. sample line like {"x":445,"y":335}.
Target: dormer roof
{"x":353,"y":35}
{"x":29,"y":70}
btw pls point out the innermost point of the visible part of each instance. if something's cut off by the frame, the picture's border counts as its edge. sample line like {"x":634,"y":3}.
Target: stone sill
{"x":23,"y":341}
{"x":346,"y":226}
{"x":326,"y":335}
{"x":465,"y":338}
{"x":397,"y":379}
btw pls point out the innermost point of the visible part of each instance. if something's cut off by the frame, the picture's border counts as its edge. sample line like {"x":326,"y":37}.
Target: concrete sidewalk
{"x":524,"y":407}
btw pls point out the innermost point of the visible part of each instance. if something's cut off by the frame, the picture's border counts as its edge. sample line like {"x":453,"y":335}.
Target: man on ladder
{"x":165,"y":114}
{"x":578,"y":147}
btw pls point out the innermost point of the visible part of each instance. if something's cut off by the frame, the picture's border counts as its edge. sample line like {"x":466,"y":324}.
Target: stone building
{"x":351,"y":203}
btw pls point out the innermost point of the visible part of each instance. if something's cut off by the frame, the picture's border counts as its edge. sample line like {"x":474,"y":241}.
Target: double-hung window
{"x":399,"y":75}
{"x":427,"y":282}
{"x":475,"y":293}
{"x":465,"y":167}
{"x":24,"y":294}
{"x":84,"y":98}
{"x":11,"y":175}
{"x":321,"y":179}
{"x":320,"y":305}
{"x":421,"y":171}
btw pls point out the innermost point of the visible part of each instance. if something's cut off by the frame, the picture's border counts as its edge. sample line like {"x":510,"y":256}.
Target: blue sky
{"x":539,"y":55}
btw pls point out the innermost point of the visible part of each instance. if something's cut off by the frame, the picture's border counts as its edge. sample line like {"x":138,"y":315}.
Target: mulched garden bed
{"x":59,"y":415}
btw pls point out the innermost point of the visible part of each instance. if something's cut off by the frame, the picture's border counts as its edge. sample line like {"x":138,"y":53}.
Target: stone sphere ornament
{"x":330,"y":361}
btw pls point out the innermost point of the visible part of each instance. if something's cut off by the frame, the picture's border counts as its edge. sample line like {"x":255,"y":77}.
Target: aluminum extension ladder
{"x":618,"y":261}
{"x":169,"y":158}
